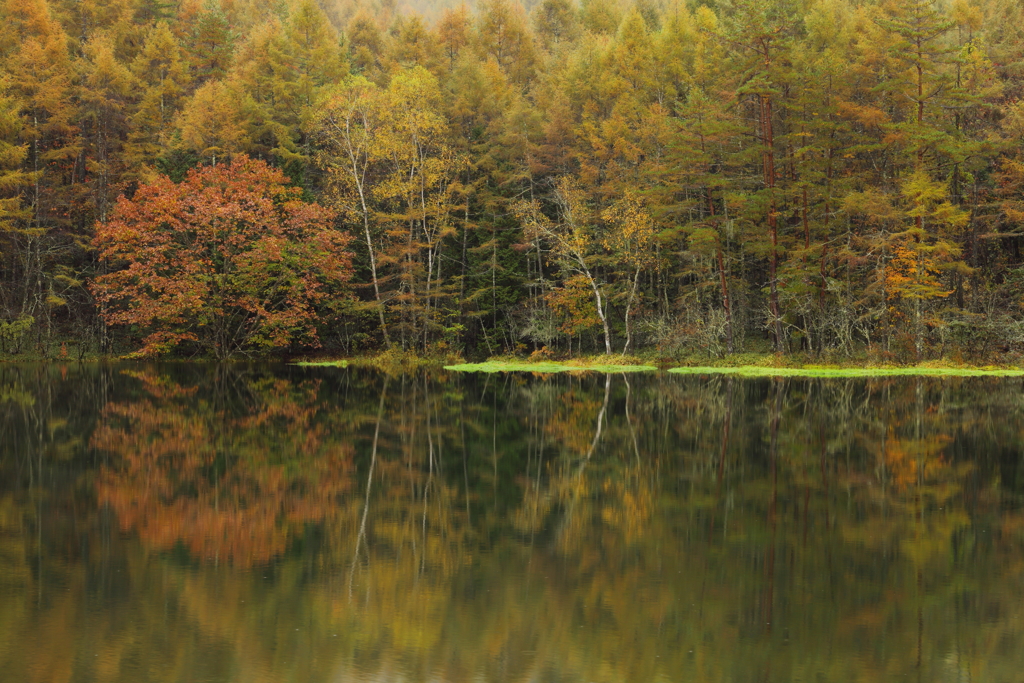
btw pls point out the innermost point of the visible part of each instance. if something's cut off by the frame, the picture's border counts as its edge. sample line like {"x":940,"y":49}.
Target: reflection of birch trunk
{"x":430,"y":476}
{"x":590,"y":452}
{"x":629,"y":419}
{"x":918,"y":461}
{"x":600,"y":423}
{"x":369,"y":483}
{"x":726,"y":426}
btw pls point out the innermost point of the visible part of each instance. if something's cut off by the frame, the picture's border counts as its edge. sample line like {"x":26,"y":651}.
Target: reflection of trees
{"x":232,"y":485}
{"x":431,"y":527}
{"x":757,"y":539}
{"x":893,"y":482}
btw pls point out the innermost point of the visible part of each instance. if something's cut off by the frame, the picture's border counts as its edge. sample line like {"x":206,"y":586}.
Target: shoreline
{"x":850,"y":372}
{"x":742,"y":367}
{"x":601,"y":364}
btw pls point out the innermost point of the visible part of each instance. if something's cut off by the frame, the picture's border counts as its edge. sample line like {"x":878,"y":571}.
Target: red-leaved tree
{"x":229,"y":260}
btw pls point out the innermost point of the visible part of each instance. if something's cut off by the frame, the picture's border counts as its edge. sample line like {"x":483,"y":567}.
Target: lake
{"x":262,"y":523}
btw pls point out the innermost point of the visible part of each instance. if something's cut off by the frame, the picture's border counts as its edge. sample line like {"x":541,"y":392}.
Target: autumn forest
{"x":823,"y":178}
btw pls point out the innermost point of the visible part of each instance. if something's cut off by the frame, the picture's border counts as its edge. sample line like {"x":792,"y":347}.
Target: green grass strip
{"x":758,"y":371}
{"x":504,"y":366}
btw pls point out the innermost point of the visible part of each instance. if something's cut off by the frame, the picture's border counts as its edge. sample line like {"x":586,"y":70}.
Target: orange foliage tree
{"x":228,"y":260}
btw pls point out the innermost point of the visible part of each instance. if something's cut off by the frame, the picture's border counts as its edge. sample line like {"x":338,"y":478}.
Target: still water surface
{"x":259,"y":523}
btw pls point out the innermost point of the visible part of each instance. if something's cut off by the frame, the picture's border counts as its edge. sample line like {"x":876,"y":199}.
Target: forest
{"x":838,"y":179}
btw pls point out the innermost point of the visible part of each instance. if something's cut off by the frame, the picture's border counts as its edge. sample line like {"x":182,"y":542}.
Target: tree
{"x":313,"y":55}
{"x":505,"y":37}
{"x":104,"y":96}
{"x":391,"y":167}
{"x":14,"y":215}
{"x":632,"y":242}
{"x":555,"y":22}
{"x":211,"y":123}
{"x":280,"y":73}
{"x":453,"y":32}
{"x":572,"y":238}
{"x":228,"y":261}
{"x":212,"y":43}
{"x":348,"y":127}
{"x":418,"y":193}
{"x":12,"y":155}
{"x":919,"y":30}
{"x":920,"y":255}
{"x":162,"y":73}
{"x":920,"y":49}
{"x":759,"y":34}
{"x":38,"y":69}
{"x":366,"y":46}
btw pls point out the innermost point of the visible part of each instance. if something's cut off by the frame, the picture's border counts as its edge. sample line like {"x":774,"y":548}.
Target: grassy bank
{"x":741,"y":365}
{"x":810,"y":371}
{"x":581,"y":365}
{"x":771,"y":365}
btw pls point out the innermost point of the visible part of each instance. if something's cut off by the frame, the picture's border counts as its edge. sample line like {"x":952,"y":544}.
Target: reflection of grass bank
{"x":739,"y":365}
{"x":388,"y":362}
{"x":391,"y":361}
{"x":812,"y":371}
{"x":598,"y":364}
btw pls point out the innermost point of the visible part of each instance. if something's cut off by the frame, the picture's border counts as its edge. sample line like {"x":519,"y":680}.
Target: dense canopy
{"x":804,"y":176}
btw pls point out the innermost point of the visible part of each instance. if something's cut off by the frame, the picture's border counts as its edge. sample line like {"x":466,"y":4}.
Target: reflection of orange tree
{"x":231,"y":488}
{"x":923,"y":483}
{"x":913,"y":462}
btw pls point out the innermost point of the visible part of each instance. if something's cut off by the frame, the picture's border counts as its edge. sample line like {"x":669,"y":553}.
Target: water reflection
{"x":255,"y":523}
{"x":233,"y":471}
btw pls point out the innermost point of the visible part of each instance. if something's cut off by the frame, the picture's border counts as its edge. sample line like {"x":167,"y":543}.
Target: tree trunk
{"x":601,"y":313}
{"x":358,"y":179}
{"x":773,"y":226}
{"x":629,"y":311}
{"x":725,"y":300}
